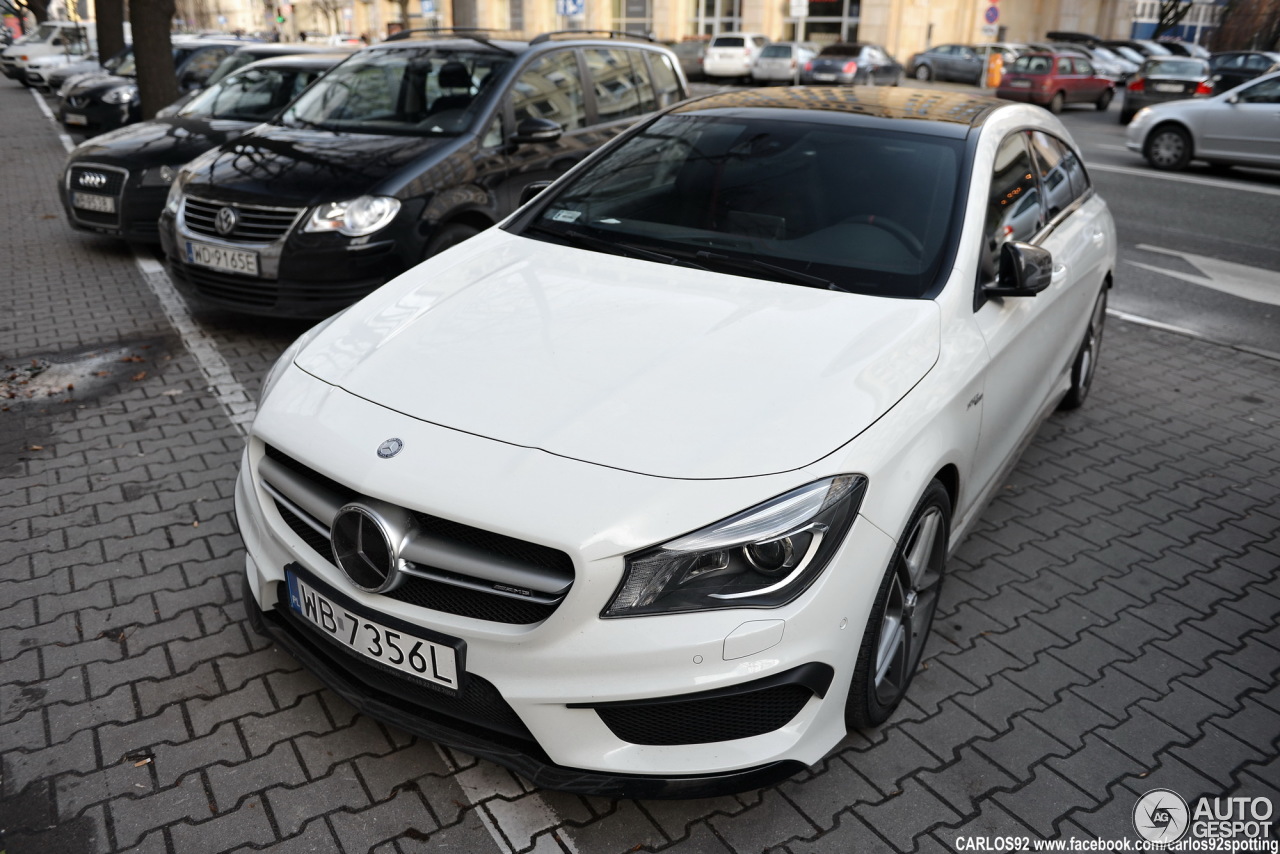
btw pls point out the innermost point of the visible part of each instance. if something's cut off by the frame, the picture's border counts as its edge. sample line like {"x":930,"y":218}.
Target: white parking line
{"x":230,"y":394}
{"x":1234,"y":186}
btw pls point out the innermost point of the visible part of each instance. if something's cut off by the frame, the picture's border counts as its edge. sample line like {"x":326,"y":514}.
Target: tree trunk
{"x":110,"y":28}
{"x":1171,"y":14}
{"x":157,"y":81}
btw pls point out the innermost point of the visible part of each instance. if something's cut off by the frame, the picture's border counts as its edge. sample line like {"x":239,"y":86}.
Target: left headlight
{"x":356,"y":217}
{"x":123,"y":95}
{"x":763,"y":557}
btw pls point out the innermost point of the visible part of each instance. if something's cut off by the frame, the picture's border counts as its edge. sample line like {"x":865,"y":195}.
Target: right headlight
{"x":761,"y":558}
{"x":291,"y":352}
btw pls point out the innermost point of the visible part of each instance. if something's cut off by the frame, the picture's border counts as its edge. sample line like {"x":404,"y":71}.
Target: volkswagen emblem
{"x":366,"y":547}
{"x":226,"y":220}
{"x":390,"y":448}
{"x":96,"y":180}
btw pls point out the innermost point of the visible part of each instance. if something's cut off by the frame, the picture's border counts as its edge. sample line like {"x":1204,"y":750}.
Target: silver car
{"x":781,"y":62}
{"x":1238,"y":127}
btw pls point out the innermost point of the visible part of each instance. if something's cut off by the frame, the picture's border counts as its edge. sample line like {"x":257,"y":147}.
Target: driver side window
{"x":1266,"y":92}
{"x":1014,"y":206}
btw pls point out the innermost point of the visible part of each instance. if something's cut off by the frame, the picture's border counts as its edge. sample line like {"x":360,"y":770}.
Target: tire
{"x":902,"y":615}
{"x":1086,"y":363}
{"x":1126,"y":116}
{"x":923,"y":72}
{"x":449,"y":236}
{"x":1104,"y":100}
{"x":1055,"y":104}
{"x":1168,"y":148}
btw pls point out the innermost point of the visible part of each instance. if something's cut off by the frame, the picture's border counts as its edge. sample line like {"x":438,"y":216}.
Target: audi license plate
{"x":435,"y":661}
{"x":222,"y":258}
{"x":90,"y":202}
{"x":74,"y":119}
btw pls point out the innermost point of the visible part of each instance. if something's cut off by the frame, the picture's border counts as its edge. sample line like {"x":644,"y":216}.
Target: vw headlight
{"x":174,"y":200}
{"x":123,"y":95}
{"x":354,"y":218}
{"x":761,"y":558}
{"x":159,"y":176}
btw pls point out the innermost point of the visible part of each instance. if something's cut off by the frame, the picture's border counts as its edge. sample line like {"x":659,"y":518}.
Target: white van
{"x":73,"y":39}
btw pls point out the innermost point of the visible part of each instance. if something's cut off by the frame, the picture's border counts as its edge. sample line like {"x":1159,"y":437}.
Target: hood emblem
{"x":390,"y":448}
{"x":226,"y":220}
{"x":96,"y":180}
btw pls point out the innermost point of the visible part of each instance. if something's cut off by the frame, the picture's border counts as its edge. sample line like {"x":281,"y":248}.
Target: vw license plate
{"x":90,"y":202}
{"x":74,"y":119}
{"x":222,"y":258}
{"x":433,"y":661}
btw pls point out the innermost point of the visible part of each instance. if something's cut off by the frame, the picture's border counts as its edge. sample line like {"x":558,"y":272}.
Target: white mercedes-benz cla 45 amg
{"x":649,"y":490}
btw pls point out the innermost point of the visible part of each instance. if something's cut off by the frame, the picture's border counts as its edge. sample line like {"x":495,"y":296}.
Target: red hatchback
{"x":1053,"y":80}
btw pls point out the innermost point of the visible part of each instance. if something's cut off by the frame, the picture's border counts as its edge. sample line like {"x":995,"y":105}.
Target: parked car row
{"x":751,"y":57}
{"x":272,"y":196}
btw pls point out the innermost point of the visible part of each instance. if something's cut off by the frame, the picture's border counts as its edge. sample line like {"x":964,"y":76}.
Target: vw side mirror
{"x":1025,"y":271}
{"x":536,"y":130}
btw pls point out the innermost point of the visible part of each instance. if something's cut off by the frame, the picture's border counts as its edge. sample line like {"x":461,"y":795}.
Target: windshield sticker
{"x":565,"y":216}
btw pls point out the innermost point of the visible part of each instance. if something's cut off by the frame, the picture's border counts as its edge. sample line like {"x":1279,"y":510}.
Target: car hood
{"x":306,"y":167}
{"x":160,"y":142}
{"x":661,"y":370}
{"x":98,"y":85}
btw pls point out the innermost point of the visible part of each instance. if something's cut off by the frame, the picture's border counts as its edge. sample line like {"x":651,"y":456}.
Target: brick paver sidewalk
{"x":1110,"y":628}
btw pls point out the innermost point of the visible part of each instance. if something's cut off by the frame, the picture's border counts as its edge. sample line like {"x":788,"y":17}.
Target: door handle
{"x":1099,"y":238}
{"x":1059,"y":273}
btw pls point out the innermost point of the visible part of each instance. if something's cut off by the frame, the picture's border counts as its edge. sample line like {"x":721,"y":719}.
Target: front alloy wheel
{"x":1169,"y":148}
{"x":903,"y":613}
{"x":1086,"y":363}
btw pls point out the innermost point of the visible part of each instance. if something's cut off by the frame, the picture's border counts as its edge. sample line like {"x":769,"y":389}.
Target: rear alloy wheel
{"x":902,"y":615}
{"x":1168,"y":148}
{"x":923,"y":72}
{"x":1055,"y":105}
{"x":1086,"y":363}
{"x":1104,"y":100}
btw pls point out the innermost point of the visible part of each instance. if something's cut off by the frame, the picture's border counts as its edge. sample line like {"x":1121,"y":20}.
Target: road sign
{"x":570,"y":8}
{"x":428,"y":8}
{"x":992,"y":14}
{"x":799,"y":8}
{"x":990,"y":30}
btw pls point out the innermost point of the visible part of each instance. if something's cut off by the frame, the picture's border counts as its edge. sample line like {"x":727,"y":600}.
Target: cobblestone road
{"x":1110,"y":627}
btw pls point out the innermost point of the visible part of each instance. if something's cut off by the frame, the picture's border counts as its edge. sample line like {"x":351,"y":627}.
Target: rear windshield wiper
{"x":757,"y":264}
{"x":581,"y":238}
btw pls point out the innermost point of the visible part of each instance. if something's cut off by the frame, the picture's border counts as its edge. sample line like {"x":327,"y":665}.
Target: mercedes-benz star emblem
{"x":363,"y":549}
{"x":390,"y":448}
{"x":226,"y":220}
{"x":95,"y":180}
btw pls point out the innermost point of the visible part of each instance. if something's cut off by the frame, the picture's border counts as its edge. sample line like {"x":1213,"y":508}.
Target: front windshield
{"x":43,"y":33}
{"x":128,"y":66}
{"x":253,"y":95}
{"x":232,"y":63}
{"x":802,"y":202}
{"x":411,"y":92}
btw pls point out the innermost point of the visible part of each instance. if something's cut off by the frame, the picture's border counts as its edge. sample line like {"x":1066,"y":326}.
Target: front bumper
{"x":137,"y":206}
{"x":554,"y":675}
{"x":300,"y":275}
{"x":97,"y":117}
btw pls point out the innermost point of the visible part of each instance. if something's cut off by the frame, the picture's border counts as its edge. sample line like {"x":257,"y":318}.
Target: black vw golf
{"x":404,"y":150}
{"x":116,"y":183}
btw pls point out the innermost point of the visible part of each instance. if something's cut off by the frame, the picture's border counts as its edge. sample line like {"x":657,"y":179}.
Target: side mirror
{"x":1234,"y":99}
{"x":1025,"y":271}
{"x":57,"y":42}
{"x":532,"y":190}
{"x":536,"y":130}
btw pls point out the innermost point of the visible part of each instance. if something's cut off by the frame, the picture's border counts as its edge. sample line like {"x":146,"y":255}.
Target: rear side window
{"x":1083,"y":66}
{"x":1064,"y":66}
{"x":551,"y":88}
{"x":729,"y":41}
{"x":665,"y":82}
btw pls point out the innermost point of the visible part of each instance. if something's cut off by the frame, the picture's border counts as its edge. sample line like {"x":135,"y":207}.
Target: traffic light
{"x":279,"y":15}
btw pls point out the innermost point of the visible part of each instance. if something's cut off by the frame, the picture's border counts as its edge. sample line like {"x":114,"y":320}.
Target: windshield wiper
{"x":581,"y":238}
{"x":757,"y":264}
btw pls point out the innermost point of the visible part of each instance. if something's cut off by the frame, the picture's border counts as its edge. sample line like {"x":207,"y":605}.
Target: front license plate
{"x":824,"y":77}
{"x":90,"y":202}
{"x":75,"y":119}
{"x":433,"y":661}
{"x":1020,"y":84}
{"x":222,"y":258}
{"x":1168,"y":87}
